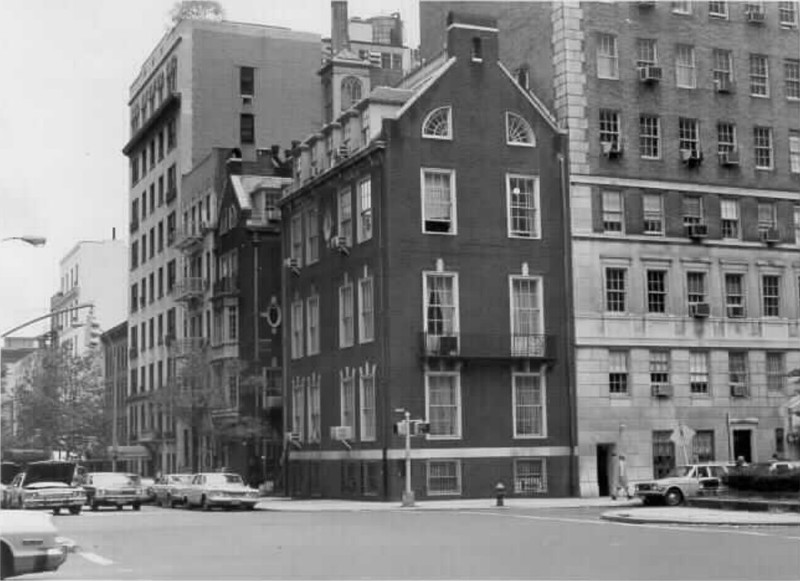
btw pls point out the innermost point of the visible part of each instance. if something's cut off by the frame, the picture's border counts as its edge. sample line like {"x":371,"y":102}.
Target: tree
{"x":61,"y":403}
{"x":197,"y":10}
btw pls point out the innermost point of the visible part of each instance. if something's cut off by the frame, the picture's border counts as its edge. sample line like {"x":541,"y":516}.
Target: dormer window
{"x":519,"y":131}
{"x":477,"y":50}
{"x":438,"y":124}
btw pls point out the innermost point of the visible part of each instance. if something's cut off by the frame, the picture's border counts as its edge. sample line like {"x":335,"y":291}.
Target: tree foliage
{"x":61,"y":403}
{"x":197,"y":10}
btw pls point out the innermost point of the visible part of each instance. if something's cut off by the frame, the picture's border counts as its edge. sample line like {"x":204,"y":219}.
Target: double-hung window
{"x":296,"y":239}
{"x":698,"y":372}
{"x":346,"y":216}
{"x":366,"y":310}
{"x":312,"y":324}
{"x":523,"y":206}
{"x":797,"y":226}
{"x":527,"y":322}
{"x":718,"y":9}
{"x":762,"y":145}
{"x":653,"y":209}
{"x":609,"y":126}
{"x":347,"y":398}
{"x":794,"y":155}
{"x":312,"y":234}
{"x":364,"y":210}
{"x":723,"y":66}
{"x":734,"y":295}
{"x":659,"y":369}
{"x":529,"y":405}
{"x":737,"y":373}
{"x":646,"y":52}
{"x":656,"y":291}
{"x":607,"y":58}
{"x":771,"y":295}
{"x":759,"y":75}
{"x":776,"y":371}
{"x":791,"y":75}
{"x":682,"y":7}
{"x":612,"y":212}
{"x":649,"y":136}
{"x":443,"y":403}
{"x":692,"y":210}
{"x":726,"y":137}
{"x":346,"y":319}
{"x":314,"y":409}
{"x":441,"y":307}
{"x":689,"y":135}
{"x":618,"y":372}
{"x":729,"y":210}
{"x":368,"y":405}
{"x":297,"y":329}
{"x":438,"y":201}
{"x":616,"y":288}
{"x":247,"y":87}
{"x":685,"y":69}
{"x":298,"y":409}
{"x":767,"y":216}
{"x":787,"y":14}
{"x":696,"y":291}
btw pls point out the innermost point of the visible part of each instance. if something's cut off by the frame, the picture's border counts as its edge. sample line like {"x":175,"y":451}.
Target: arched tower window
{"x":519,"y":131}
{"x":438,"y":124}
{"x":351,"y":92}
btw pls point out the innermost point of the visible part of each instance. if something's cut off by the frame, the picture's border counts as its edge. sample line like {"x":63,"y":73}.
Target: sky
{"x":65,"y":70}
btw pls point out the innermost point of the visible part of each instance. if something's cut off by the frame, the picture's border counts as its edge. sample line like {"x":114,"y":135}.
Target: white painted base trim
{"x":431,"y":453}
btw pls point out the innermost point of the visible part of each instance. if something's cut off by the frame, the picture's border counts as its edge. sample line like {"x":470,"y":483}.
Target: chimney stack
{"x":340,"y":37}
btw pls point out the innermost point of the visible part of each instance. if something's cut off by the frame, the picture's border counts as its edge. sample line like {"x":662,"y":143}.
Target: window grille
{"x":530,"y":476}
{"x":528,"y":405}
{"x":444,"y":477}
{"x":438,"y":124}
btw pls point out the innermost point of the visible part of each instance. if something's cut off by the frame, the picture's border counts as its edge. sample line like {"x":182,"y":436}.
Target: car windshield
{"x":116,"y":479}
{"x":224,"y":479}
{"x":181,"y":478}
{"x":680,"y":471}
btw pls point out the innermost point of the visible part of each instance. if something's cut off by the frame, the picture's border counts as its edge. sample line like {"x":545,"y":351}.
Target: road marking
{"x":95,"y":558}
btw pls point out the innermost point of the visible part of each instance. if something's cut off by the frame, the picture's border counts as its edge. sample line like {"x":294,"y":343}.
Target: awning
{"x":126,"y":452}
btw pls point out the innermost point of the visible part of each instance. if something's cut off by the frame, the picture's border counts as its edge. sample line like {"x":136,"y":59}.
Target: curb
{"x":684,"y":521}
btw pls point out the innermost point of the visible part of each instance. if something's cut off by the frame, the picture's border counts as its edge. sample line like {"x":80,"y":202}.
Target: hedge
{"x":760,"y":482}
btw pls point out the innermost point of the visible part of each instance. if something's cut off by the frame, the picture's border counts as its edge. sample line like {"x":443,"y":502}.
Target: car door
{"x":705,"y":479}
{"x":193,"y":494}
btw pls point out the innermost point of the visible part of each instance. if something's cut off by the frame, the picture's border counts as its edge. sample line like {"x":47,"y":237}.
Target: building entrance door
{"x":604,"y":452}
{"x":742,"y":445}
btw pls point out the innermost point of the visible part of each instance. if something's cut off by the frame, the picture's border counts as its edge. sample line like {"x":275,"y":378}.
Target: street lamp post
{"x":408,"y":494}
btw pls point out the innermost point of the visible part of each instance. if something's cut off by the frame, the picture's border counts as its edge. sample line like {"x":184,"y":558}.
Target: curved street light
{"x":32,"y":240}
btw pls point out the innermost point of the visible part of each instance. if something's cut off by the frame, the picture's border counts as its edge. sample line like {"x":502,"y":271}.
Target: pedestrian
{"x":740,"y":461}
{"x":622,"y":478}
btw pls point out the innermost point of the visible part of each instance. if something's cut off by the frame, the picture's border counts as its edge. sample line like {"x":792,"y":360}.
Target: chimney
{"x":340,"y":37}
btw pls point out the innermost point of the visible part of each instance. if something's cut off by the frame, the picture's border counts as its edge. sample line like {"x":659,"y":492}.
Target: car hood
{"x":230,"y":487}
{"x":668,"y":481}
{"x":26,"y":522}
{"x":50,"y":472}
{"x":45,"y":485}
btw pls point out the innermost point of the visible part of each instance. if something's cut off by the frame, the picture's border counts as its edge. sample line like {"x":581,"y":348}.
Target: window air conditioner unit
{"x":340,"y":433}
{"x":662,"y":390}
{"x":755,"y":15}
{"x":729,"y":158}
{"x":343,"y":152}
{"x":339,"y":243}
{"x":770,"y":235}
{"x":697,"y":231}
{"x":292,"y":264}
{"x":700,"y":310}
{"x":691,"y":157}
{"x":736,"y":312}
{"x":723,"y":85}
{"x":611,"y":149}
{"x":247,"y":99}
{"x":650,"y":74}
{"x":448,"y":345}
{"x":739,"y":390}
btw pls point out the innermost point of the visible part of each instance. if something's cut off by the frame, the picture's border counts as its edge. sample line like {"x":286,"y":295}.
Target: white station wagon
{"x":682,"y":482}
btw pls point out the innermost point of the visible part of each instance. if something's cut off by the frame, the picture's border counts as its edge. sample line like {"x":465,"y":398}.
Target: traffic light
{"x":399,"y":428}
{"x":94,"y":332}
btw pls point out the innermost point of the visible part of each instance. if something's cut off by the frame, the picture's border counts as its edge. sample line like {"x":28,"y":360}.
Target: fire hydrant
{"x":500,"y":493}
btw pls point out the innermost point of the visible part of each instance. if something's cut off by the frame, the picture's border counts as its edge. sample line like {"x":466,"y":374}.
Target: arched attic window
{"x":519,"y":131}
{"x":351,"y":92}
{"x":438,"y":124}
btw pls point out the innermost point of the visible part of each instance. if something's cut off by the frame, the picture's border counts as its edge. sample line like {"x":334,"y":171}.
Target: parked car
{"x":9,"y":472}
{"x":682,"y":482}
{"x":28,"y":544}
{"x":169,"y":489}
{"x":148,"y":495}
{"x":783,"y":466}
{"x":223,"y":489}
{"x":118,"y":489}
{"x":51,"y":484}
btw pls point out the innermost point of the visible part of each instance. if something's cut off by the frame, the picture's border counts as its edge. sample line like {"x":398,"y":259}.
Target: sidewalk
{"x":702,"y":516}
{"x":328,"y":505}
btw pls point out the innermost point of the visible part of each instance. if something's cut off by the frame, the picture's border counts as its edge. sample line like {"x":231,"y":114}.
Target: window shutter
{"x":634,"y":213}
{"x":597,"y":210}
{"x":673,"y":214}
{"x":713,"y":216}
{"x":749,"y":219}
{"x":785,"y":209}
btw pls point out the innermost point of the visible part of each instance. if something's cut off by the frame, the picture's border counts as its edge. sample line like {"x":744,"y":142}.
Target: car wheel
{"x":647,"y":501}
{"x":186,"y":504}
{"x":167,"y":502}
{"x":93,"y":506}
{"x":120,"y":507}
{"x":249,"y":506}
{"x":674,"y":497}
{"x":6,"y":562}
{"x":75,"y":509}
{"x":205,"y":504}
{"x":56,"y":511}
{"x":137,"y":506}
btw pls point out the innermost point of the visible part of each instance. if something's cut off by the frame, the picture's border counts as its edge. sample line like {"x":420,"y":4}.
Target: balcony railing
{"x":228,"y":285}
{"x":488,"y":346}
{"x":185,"y":346}
{"x":189,"y":288}
{"x":188,"y":239}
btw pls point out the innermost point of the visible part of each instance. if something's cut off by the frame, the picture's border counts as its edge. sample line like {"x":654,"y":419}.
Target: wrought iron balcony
{"x":189,"y":239}
{"x":191,"y":287}
{"x":488,"y":346}
{"x":186,"y":346}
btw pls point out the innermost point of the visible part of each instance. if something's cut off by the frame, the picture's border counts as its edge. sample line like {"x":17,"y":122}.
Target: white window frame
{"x":296,"y":238}
{"x":689,"y":134}
{"x":455,"y":434}
{"x":346,"y":323}
{"x":519,"y":132}
{"x":685,"y":67}
{"x":791,"y":76}
{"x":660,"y":368}
{"x":313,"y":396}
{"x":312,"y":234}
{"x":539,"y":408}
{"x":450,"y":492}
{"x":787,"y":14}
{"x":794,"y":153}
{"x":696,"y":287}
{"x":607,"y":57}
{"x":616,"y":356}
{"x":623,"y":290}
{"x":312,"y":325}
{"x":454,"y":324}
{"x":365,"y":213}
{"x":646,"y":52}
{"x":762,"y":147}
{"x":609,"y":124}
{"x":699,"y":374}
{"x":347,"y":402}
{"x":435,"y":115}
{"x":453,"y":219}
{"x":368,"y":407}
{"x":718,"y":9}
{"x":726,"y":137}
{"x":297,"y":329}
{"x":527,"y":208}
{"x":723,"y":65}
{"x":744,"y":372}
{"x":366,"y":309}
{"x":759,"y":76}
{"x":654,"y":214}
{"x":776,"y":297}
{"x":520,"y":479}
{"x":610,"y":213}
{"x":526,"y":320}
{"x":729,"y":212}
{"x":657,"y":292}
{"x":682,"y":7}
{"x":649,"y":136}
{"x":344,"y":215}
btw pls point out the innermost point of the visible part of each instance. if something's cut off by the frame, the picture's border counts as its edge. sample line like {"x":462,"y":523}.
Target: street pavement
{"x":466,"y":542}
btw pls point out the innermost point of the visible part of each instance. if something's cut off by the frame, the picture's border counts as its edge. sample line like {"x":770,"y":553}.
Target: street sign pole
{"x":408,"y":494}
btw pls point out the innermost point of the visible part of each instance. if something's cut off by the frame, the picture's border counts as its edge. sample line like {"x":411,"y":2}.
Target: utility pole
{"x":408,"y":494}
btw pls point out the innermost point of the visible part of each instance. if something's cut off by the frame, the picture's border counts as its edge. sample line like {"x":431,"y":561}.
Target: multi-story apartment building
{"x":206,"y":84}
{"x":684,"y":125}
{"x":427,"y":270}
{"x":115,"y":371}
{"x":12,"y":351}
